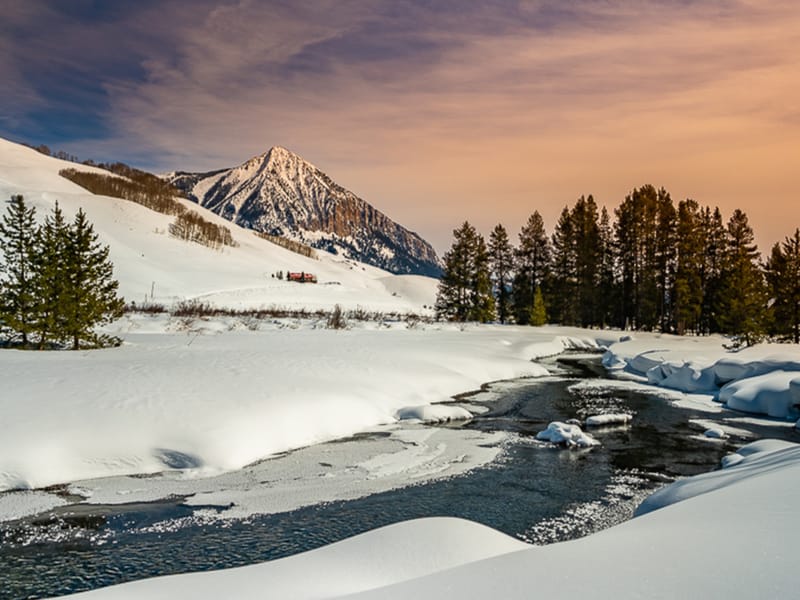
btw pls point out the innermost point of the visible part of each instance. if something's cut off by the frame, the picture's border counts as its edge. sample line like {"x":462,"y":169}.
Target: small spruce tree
{"x":17,"y":299}
{"x":501,"y":258}
{"x":50,"y":278}
{"x":538,"y":312}
{"x":90,"y":294}
{"x":465,"y":290}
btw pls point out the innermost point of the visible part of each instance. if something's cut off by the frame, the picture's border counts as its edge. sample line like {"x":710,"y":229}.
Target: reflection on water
{"x":535,"y":492}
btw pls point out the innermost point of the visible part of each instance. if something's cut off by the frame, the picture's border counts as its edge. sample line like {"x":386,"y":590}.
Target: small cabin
{"x":302,"y":277}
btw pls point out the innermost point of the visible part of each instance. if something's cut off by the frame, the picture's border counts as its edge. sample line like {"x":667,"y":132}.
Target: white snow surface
{"x":567,"y":434}
{"x":434,"y":413}
{"x":206,"y":402}
{"x":726,"y":535}
{"x":608,"y":419}
{"x":763,"y":379}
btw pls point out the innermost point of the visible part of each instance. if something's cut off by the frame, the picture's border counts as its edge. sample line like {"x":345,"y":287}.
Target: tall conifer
{"x":90,"y":296}
{"x":17,"y":300}
{"x":501,"y":260}
{"x":533,"y":257}
{"x":783,"y":277}
{"x":465,"y":289}
{"x":743,"y":303}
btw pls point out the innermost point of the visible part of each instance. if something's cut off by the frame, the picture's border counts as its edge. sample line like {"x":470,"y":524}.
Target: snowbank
{"x":566,"y":434}
{"x":206,"y":404}
{"x":749,"y":462}
{"x":764,"y":379}
{"x":732,"y":537}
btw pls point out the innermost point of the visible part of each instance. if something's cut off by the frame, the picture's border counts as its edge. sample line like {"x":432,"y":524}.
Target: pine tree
{"x":665,"y":257}
{"x":501,"y":260}
{"x":482,"y":307}
{"x":743,"y":303}
{"x":606,"y":288}
{"x":90,"y":294}
{"x":586,"y":232}
{"x":783,"y":277}
{"x":533,"y":266}
{"x":687,"y":297}
{"x":465,"y":291}
{"x":645,"y":245}
{"x":538,"y":312}
{"x":714,"y":252}
{"x":17,"y":301}
{"x":562,"y":291}
{"x":50,"y":280}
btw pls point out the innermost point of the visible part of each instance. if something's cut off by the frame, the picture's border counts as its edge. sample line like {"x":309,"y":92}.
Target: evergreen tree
{"x":501,"y":260}
{"x":606,"y":288}
{"x":50,"y":282}
{"x":562,"y":290}
{"x":665,"y":257}
{"x":465,"y":291}
{"x":577,"y":256}
{"x":688,"y":288}
{"x":714,"y":252}
{"x":743,"y":303}
{"x":17,"y":300}
{"x":586,"y":232}
{"x":90,"y":294}
{"x":533,"y":265}
{"x":645,"y":243}
{"x":538,"y":312}
{"x":783,"y":278}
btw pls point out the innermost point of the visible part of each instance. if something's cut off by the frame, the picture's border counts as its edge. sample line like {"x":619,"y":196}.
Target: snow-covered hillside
{"x":147,"y":259}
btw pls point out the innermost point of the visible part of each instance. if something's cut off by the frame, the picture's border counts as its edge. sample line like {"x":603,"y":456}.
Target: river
{"x":533,"y":491}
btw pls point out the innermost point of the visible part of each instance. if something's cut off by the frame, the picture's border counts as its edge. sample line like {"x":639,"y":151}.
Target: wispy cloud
{"x":445,"y":111}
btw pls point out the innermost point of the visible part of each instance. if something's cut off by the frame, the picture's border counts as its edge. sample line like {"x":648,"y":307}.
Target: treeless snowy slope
{"x":146,"y":259}
{"x":735,"y":541}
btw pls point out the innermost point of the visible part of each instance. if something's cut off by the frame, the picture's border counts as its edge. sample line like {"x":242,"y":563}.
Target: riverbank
{"x":210,"y":396}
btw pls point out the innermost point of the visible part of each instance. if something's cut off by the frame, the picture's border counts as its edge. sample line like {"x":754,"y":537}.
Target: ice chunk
{"x":610,"y":419}
{"x":566,"y":434}
{"x":434,"y":413}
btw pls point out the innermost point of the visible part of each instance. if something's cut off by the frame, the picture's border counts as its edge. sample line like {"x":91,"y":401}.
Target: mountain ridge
{"x":280,"y":193}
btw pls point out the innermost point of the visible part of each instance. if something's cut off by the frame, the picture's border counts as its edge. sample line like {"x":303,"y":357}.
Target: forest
{"x":653,"y":266}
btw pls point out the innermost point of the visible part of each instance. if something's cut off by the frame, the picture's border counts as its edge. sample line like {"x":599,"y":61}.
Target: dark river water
{"x":535,"y":492}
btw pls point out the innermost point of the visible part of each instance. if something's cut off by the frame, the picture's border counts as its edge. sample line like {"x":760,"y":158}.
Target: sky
{"x":435,"y":112}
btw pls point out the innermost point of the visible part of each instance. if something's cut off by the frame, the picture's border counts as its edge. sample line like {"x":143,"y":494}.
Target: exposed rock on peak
{"x":280,"y":193}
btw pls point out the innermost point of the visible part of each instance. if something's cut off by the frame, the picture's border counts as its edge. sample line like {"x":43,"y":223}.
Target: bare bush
{"x":337,"y":319}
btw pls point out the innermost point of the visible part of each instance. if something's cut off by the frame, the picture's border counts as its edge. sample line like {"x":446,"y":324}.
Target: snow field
{"x":207,"y":404}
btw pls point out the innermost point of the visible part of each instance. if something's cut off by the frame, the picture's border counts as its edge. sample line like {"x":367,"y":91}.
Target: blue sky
{"x":435,"y":112}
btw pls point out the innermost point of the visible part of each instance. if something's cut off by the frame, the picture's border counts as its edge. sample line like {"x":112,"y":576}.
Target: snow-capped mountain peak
{"x":280,"y":193}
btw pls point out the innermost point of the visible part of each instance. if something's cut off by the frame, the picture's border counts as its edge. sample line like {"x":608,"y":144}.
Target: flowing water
{"x":534,"y":491}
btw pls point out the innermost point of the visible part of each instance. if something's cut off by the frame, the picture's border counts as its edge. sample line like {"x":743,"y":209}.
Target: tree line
{"x":56,"y":280}
{"x":654,"y":266}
